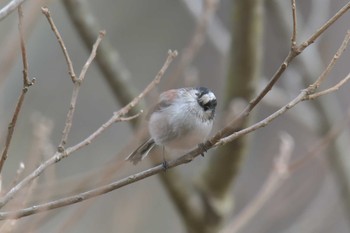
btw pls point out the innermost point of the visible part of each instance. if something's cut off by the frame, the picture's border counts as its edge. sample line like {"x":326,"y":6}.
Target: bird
{"x":181,"y":120}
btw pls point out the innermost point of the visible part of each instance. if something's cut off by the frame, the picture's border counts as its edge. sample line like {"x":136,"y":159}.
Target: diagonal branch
{"x":71,"y":72}
{"x":9,"y":8}
{"x":118,"y":116}
{"x":114,"y":71}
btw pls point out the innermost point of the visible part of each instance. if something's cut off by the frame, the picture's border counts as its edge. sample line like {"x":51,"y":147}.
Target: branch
{"x":71,"y":72}
{"x":217,"y":33}
{"x":9,"y":8}
{"x":111,"y":65}
{"x":74,"y":98}
{"x":277,"y":177}
{"x":294,"y":33}
{"x":118,"y":116}
{"x":196,"y":42}
{"x":331,"y":89}
{"x":26,"y":85}
{"x":292,"y":54}
{"x":304,"y":95}
{"x":330,"y":66}
{"x":321,"y":144}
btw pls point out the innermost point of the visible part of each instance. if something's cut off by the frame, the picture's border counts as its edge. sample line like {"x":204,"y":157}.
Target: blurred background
{"x":233,"y":47}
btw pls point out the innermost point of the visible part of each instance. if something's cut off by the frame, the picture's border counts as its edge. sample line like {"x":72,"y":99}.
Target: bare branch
{"x":74,"y":98}
{"x":116,"y":117}
{"x":92,"y":55}
{"x":114,"y":71}
{"x":331,"y":89}
{"x":82,"y":196}
{"x":321,"y":144}
{"x":26,"y":84}
{"x":324,"y":27}
{"x":330,"y":66}
{"x":276,"y":178}
{"x":292,"y":54}
{"x":26,"y":81}
{"x":197,"y":40}
{"x":294,"y":33}
{"x":9,"y":8}
{"x":217,"y":33}
{"x":71,"y":72}
{"x":304,"y":95}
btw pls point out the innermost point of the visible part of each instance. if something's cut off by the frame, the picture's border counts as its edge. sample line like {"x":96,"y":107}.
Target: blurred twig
{"x":71,"y":72}
{"x":277,"y":177}
{"x":9,"y":46}
{"x":304,"y":95}
{"x":117,"y":117}
{"x":216,"y":31}
{"x":76,"y":81}
{"x":26,"y":85}
{"x":328,"y":110}
{"x":244,"y":70}
{"x":321,"y":144}
{"x":111,"y":65}
{"x":9,"y":8}
{"x":196,"y":42}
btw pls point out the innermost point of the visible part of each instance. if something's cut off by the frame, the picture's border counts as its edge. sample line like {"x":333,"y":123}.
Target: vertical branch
{"x":75,"y":93}
{"x":77,"y":81}
{"x":26,"y":84}
{"x":26,"y":81}
{"x":278,"y":175}
{"x":294,"y":33}
{"x":114,"y":71}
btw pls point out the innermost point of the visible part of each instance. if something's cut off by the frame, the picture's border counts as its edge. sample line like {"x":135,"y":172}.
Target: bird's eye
{"x":211,"y":104}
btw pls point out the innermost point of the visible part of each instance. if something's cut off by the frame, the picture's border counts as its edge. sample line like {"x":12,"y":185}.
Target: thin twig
{"x":92,"y":55}
{"x":116,"y":117}
{"x":71,"y":72}
{"x":197,"y":40}
{"x":26,"y":81}
{"x":304,"y":95}
{"x":330,"y":66}
{"x":26,"y":84}
{"x":9,"y":44}
{"x":321,"y":144}
{"x":114,"y":71}
{"x":291,"y":55}
{"x":9,"y":8}
{"x":75,"y":93}
{"x":294,"y":33}
{"x":324,"y":27}
{"x":331,"y":89}
{"x":217,"y":33}
{"x":276,"y":178}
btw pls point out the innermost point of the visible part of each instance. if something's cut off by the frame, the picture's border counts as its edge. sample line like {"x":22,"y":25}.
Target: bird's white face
{"x":207,"y":101}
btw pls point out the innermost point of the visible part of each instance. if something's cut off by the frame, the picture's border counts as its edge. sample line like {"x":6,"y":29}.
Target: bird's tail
{"x":141,"y":152}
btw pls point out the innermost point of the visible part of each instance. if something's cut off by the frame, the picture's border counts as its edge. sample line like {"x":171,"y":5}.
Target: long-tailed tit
{"x":181,"y":120}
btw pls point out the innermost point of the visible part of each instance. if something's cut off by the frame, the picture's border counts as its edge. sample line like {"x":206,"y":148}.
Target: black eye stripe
{"x":209,"y":105}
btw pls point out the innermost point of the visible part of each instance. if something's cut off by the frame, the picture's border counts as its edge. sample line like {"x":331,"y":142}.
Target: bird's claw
{"x":202,"y":147}
{"x":165,"y":165}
